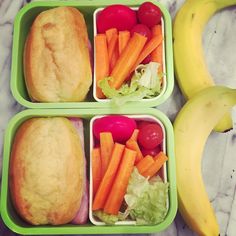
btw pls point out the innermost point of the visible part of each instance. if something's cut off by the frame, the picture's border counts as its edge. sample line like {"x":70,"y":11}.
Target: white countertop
{"x":219,"y":161}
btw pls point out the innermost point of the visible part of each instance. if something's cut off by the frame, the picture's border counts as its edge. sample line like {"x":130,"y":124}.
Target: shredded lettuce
{"x":146,"y":200}
{"x":107,"y":218}
{"x":145,"y":83}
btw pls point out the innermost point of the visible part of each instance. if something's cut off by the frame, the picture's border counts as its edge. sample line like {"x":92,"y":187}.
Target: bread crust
{"x":56,"y":57}
{"x":47,"y":171}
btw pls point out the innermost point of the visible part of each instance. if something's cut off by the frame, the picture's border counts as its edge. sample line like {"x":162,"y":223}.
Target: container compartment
{"x":164,"y":82}
{"x":16,"y":224}
{"x":162,"y":172}
{"x":23,"y":22}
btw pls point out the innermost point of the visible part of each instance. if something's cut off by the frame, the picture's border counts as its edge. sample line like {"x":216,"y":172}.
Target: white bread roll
{"x":56,"y":58}
{"x":47,"y":171}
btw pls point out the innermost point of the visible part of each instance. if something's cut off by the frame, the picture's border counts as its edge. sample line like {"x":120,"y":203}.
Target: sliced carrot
{"x":107,"y":180}
{"x":123,"y":40}
{"x":133,"y":145}
{"x":121,"y":182}
{"x":157,"y":53}
{"x":96,"y":168}
{"x":111,"y":45}
{"x":156,"y":30}
{"x":114,"y":56}
{"x":145,"y":164}
{"x":107,"y":144}
{"x":102,"y":61}
{"x":134,"y":135}
{"x":110,"y":33}
{"x":159,"y":159}
{"x":127,"y":60}
{"x":158,"y":58}
{"x":113,"y":51}
{"x":149,"y":47}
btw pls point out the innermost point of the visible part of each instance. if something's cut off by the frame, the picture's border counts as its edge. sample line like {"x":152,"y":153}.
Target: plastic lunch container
{"x":164,"y":83}
{"x":16,"y":224}
{"x":23,"y":22}
{"x":163,"y":172}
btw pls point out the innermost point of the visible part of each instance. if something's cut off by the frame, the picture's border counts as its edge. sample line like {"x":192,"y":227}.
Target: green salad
{"x":145,"y":83}
{"x":146,"y":201}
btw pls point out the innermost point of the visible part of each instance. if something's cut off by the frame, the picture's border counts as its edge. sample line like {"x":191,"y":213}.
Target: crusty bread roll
{"x":56,"y":59}
{"x":47,"y":171}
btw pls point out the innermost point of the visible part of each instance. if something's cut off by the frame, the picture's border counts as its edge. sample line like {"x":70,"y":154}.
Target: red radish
{"x":149,"y":14}
{"x":121,"y":127}
{"x":142,"y":29}
{"x":116,"y":16}
{"x":147,"y":60}
{"x":150,"y":136}
{"x":143,"y":123}
{"x":152,"y":152}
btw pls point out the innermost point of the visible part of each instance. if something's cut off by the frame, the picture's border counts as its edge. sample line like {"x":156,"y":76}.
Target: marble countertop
{"x":219,"y":161}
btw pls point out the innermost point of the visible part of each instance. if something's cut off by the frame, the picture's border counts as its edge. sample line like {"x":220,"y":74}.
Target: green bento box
{"x":16,"y":224}
{"x":23,"y":22}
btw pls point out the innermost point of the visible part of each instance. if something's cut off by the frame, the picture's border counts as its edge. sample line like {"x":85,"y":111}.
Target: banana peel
{"x":190,"y":67}
{"x":192,"y":126}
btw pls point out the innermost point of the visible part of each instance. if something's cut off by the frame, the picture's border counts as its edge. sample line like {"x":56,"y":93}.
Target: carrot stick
{"x":156,"y":30}
{"x":149,"y":47}
{"x":127,"y":60}
{"x":123,"y":40}
{"x":157,"y":54}
{"x":134,"y":136}
{"x":114,"y":56}
{"x":120,"y":185}
{"x":113,"y":51}
{"x":159,"y":159}
{"x":110,"y":33}
{"x":96,"y":169}
{"x":102,"y":61}
{"x":107,"y":144}
{"x":145,"y":164}
{"x":133,"y":145}
{"x":111,"y":45}
{"x":107,"y":180}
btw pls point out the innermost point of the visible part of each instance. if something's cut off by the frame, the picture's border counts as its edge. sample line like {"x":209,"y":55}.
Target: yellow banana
{"x":192,"y":126}
{"x":190,"y":67}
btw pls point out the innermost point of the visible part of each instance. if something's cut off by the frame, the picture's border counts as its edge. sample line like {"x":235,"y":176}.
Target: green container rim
{"x":102,"y":3}
{"x":85,"y":229}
